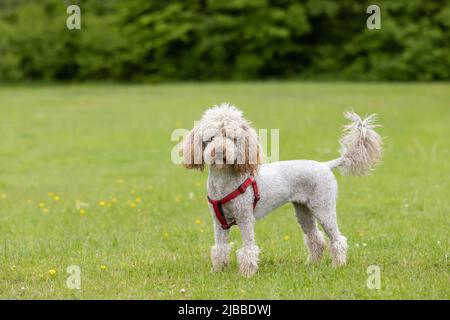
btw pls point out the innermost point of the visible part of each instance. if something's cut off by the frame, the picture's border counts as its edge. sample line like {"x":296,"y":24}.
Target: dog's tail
{"x":361,"y":147}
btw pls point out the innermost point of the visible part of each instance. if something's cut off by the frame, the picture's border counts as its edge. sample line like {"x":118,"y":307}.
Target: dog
{"x":225,"y":141}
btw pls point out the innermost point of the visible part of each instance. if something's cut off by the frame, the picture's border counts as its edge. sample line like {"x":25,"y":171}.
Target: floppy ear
{"x":192,"y":150}
{"x":249,"y":152}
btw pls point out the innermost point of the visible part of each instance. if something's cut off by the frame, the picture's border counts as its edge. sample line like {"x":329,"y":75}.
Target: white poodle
{"x":227,"y":143}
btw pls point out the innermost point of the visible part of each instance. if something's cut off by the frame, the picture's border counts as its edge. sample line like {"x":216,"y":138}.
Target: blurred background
{"x":208,"y":40}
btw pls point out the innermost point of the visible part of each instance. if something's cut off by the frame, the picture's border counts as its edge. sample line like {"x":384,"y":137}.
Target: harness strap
{"x":217,"y":204}
{"x":256,"y":193}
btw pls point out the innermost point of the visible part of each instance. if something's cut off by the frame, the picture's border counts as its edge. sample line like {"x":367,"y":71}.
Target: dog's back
{"x":299,"y":181}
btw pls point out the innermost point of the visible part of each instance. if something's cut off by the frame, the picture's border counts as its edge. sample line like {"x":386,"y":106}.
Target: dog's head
{"x":223,"y":138}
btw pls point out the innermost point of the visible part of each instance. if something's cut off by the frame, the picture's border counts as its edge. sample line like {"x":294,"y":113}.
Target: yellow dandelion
{"x":133,"y":205}
{"x":41,"y":205}
{"x":138,"y":200}
{"x":44,"y":210}
{"x":102,"y":203}
{"x":197,"y":221}
{"x":52,"y":272}
{"x":103,"y":267}
{"x":50,"y":194}
{"x":166,"y":235}
{"x":82,"y":212}
{"x":286,"y":238}
{"x":56,"y":198}
{"x":13,"y":267}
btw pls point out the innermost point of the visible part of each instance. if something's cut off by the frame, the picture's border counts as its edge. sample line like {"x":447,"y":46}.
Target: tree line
{"x":207,"y":40}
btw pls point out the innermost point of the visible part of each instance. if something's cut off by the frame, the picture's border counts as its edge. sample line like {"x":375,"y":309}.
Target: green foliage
{"x":36,"y":44}
{"x":157,"y":40}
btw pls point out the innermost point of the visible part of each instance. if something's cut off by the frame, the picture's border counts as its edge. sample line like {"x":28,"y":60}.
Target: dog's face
{"x":223,"y":138}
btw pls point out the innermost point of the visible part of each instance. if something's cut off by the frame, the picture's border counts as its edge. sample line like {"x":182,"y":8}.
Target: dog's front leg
{"x":248,"y":255}
{"x":220,"y":252}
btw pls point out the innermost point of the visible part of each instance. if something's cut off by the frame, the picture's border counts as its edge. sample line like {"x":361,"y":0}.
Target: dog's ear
{"x":192,"y":150}
{"x":249,"y":151}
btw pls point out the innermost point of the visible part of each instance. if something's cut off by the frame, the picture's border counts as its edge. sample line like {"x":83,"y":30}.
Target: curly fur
{"x":225,"y":142}
{"x":223,"y":136}
{"x":361,"y":146}
{"x":339,"y":251}
{"x":248,"y":260}
{"x":220,"y":256}
{"x":316,"y":245}
{"x":192,"y":150}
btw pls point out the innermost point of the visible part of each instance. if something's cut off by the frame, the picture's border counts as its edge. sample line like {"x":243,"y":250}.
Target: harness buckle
{"x":241,"y":189}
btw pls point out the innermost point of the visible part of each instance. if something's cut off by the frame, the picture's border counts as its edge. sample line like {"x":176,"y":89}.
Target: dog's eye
{"x":206,"y":141}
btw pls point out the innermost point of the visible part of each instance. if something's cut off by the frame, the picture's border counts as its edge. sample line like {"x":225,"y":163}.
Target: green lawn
{"x":105,"y":147}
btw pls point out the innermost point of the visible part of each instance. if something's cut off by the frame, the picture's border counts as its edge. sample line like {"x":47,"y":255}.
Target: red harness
{"x":217,"y":204}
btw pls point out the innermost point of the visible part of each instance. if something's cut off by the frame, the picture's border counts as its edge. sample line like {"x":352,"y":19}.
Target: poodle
{"x":224,"y":141}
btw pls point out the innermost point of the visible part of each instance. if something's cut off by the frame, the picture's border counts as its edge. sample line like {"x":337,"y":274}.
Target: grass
{"x":93,"y":144}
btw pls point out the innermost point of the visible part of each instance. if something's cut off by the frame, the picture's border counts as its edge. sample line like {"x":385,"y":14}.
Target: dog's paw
{"x":313,"y":259}
{"x":248,"y":260}
{"x":219,"y":266}
{"x":339,"y":251}
{"x":220,"y":257}
{"x":248,"y":270}
{"x":316,"y":245}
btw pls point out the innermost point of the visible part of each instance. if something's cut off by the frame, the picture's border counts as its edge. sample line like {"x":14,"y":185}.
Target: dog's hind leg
{"x":314,"y":240}
{"x":338,"y":247}
{"x":220,"y":252}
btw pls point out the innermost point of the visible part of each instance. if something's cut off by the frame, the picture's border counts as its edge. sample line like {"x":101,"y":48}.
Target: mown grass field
{"x":86,"y":179}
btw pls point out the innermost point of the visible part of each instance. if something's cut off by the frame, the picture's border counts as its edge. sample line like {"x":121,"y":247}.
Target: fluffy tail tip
{"x":361,"y":146}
